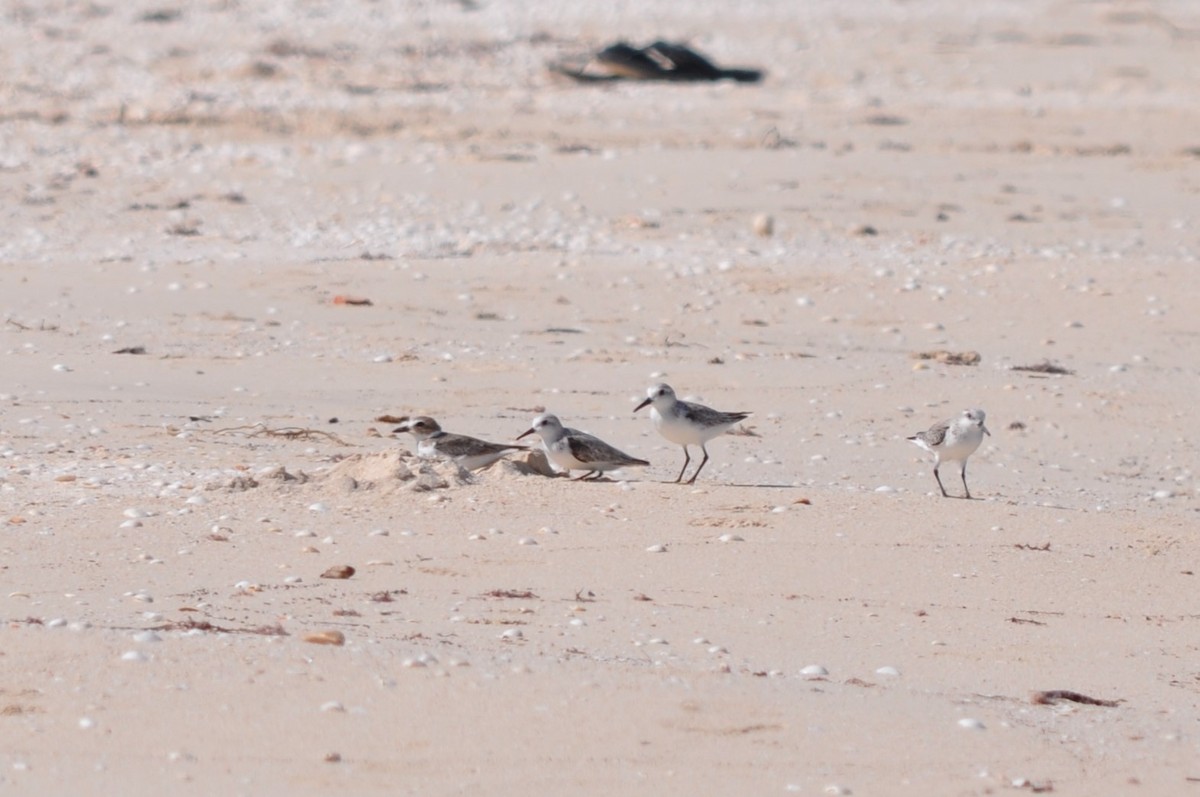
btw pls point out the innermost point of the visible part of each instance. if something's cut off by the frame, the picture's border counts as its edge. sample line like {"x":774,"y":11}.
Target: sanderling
{"x":953,"y":440}
{"x":686,"y":423}
{"x":571,"y":449}
{"x":468,"y":452}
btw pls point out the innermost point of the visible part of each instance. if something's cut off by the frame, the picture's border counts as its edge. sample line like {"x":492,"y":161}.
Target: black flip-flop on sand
{"x":662,"y":60}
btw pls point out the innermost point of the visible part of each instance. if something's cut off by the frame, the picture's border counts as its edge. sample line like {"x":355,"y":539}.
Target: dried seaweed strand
{"x":287,"y":432}
{"x":1054,"y":695}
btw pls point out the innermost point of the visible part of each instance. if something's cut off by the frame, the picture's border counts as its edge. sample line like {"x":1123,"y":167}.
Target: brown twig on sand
{"x":949,"y":357}
{"x":1054,"y":695}
{"x":42,"y":327}
{"x":524,"y":594}
{"x":204,"y":625}
{"x":1045,"y":367}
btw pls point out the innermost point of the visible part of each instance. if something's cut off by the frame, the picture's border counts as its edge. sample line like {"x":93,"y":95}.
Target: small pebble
{"x":657,"y":549}
{"x":512,"y":633}
{"x":326,"y":638}
{"x":763,"y":225}
{"x":890,"y":672}
{"x":86,"y":723}
{"x":339,"y":571}
{"x":133,"y":655}
{"x":731,"y":538}
{"x":814,"y":671}
{"x":527,"y":541}
{"x":332,"y":705}
{"x":971,"y":724}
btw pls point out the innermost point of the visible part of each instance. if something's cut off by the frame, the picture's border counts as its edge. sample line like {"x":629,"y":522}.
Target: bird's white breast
{"x":675,"y":427}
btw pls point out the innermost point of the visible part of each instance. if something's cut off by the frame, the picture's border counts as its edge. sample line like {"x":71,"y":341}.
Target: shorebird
{"x":686,"y":423}
{"x":468,"y":452}
{"x":953,"y":440}
{"x":571,"y":449}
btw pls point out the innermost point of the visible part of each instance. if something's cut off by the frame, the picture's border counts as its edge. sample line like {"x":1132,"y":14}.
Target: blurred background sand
{"x":200,"y":181}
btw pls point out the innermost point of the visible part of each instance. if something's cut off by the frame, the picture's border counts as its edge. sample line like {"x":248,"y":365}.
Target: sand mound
{"x":391,"y":471}
{"x":530,"y":463}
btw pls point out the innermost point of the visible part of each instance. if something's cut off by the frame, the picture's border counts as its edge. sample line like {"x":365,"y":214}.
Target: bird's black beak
{"x":400,"y":429}
{"x":643,"y":404}
{"x":985,"y":431}
{"x":525,"y":434}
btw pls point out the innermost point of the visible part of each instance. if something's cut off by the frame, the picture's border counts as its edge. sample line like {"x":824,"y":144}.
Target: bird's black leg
{"x":584,"y":476}
{"x":964,"y":478}
{"x":697,"y":473}
{"x":939,"y":480}
{"x":686,"y":459}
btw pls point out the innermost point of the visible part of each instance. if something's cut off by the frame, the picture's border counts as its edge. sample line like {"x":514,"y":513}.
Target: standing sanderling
{"x":686,"y":423}
{"x":571,"y":449}
{"x":468,"y":452}
{"x":953,"y":440}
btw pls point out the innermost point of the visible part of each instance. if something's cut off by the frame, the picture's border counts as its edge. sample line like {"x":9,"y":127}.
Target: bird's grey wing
{"x":934,"y":435}
{"x":707,"y":416}
{"x":592,"y":450}
{"x":458,"y":445}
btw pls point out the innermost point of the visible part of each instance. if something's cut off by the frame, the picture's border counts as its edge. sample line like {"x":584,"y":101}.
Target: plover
{"x":571,"y":449}
{"x":953,"y":440}
{"x":687,"y":424}
{"x":468,"y":452}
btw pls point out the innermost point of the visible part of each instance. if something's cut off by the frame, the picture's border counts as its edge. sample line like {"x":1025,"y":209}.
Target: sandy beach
{"x":242,"y":238}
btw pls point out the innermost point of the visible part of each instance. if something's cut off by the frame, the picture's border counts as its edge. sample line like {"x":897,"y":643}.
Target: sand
{"x":198,"y":183}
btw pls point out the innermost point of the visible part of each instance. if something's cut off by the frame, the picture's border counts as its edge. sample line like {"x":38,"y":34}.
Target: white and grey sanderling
{"x":687,"y":423}
{"x":953,"y":440}
{"x":469,"y":452}
{"x":571,"y":449}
